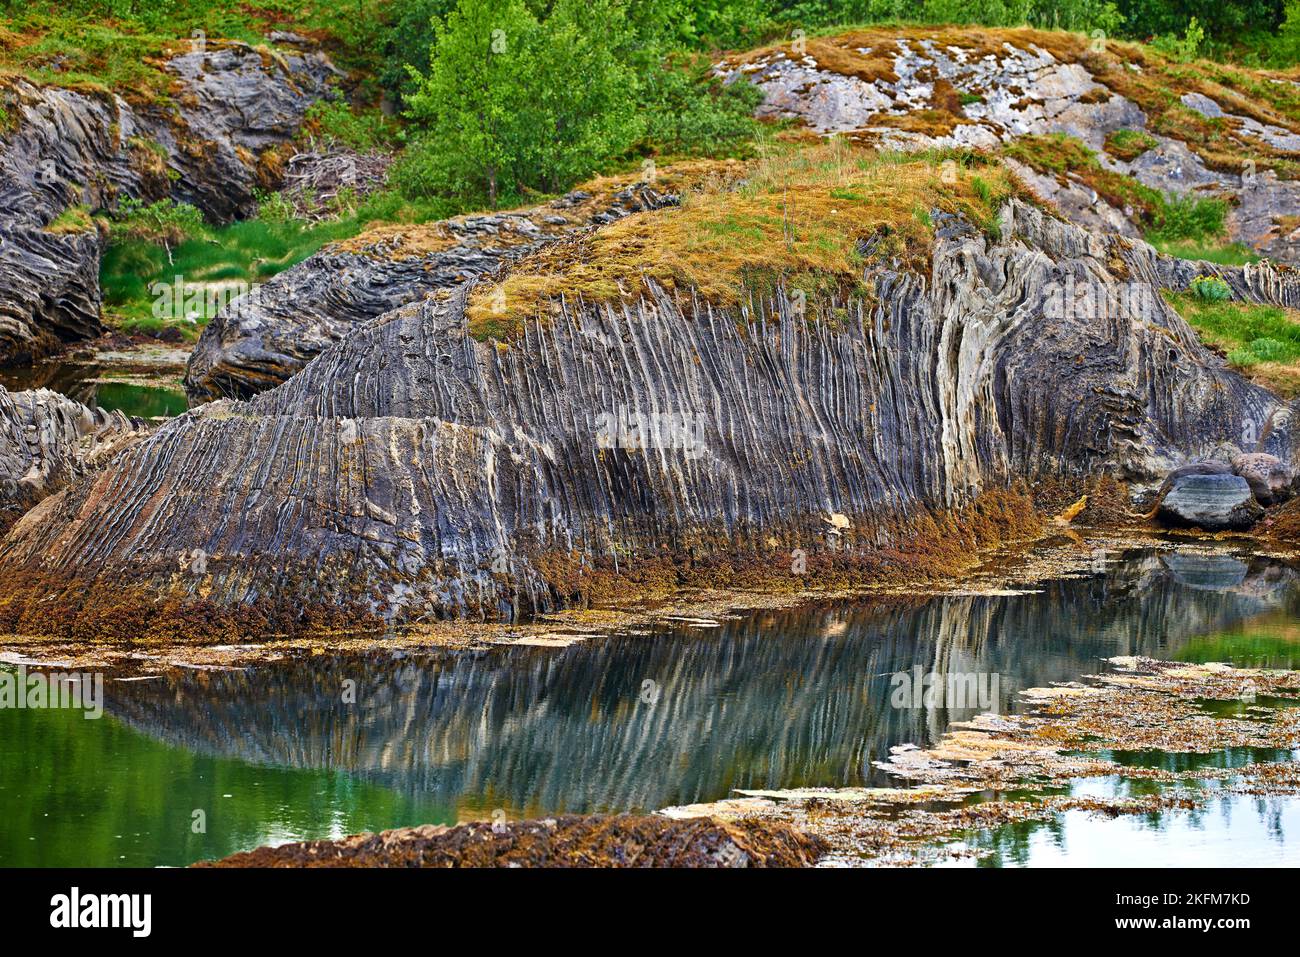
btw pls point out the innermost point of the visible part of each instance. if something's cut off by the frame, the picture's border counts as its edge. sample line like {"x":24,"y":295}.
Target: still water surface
{"x":776,"y":699}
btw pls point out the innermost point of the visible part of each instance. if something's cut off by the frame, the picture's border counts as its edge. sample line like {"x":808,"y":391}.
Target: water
{"x":115,"y":384}
{"x":629,"y":722}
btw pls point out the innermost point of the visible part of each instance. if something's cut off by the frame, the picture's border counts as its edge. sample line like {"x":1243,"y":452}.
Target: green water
{"x":92,"y":384}
{"x":95,"y":793}
{"x":776,"y":699}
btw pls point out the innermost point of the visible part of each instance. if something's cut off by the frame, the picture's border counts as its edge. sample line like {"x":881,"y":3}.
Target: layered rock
{"x":266,"y":336}
{"x":46,"y":440}
{"x":68,"y":148}
{"x":914,"y":88}
{"x":412,"y":470}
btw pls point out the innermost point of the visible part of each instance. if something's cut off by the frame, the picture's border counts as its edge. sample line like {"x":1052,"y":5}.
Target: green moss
{"x":1129,"y":144}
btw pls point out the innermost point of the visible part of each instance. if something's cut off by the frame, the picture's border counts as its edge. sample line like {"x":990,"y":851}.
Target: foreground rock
{"x":46,"y":440}
{"x":68,"y":151}
{"x":1192,"y":130}
{"x":1211,"y":502}
{"x":412,"y":470}
{"x":266,"y":336}
{"x":623,"y":840}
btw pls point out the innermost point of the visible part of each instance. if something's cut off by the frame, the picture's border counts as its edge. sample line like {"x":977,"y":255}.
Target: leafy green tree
{"x":472,"y":100}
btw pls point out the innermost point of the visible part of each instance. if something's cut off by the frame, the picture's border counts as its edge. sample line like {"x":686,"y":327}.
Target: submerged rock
{"x":1213,"y":502}
{"x":67,"y":153}
{"x":46,"y":440}
{"x":414,"y":470}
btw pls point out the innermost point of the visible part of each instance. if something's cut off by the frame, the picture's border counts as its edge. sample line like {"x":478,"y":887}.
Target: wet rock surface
{"x":265,"y":337}
{"x":69,"y":148}
{"x":421,"y":472}
{"x":623,"y":840}
{"x":46,"y":440}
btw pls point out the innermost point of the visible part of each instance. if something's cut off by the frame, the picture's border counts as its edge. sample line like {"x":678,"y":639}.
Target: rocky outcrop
{"x":46,"y":440}
{"x":412,"y":470}
{"x":917,"y":87}
{"x":266,"y":336}
{"x":73,"y":150}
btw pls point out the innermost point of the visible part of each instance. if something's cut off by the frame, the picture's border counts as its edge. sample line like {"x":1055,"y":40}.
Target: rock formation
{"x":46,"y":440}
{"x":68,"y":149}
{"x":266,"y":336}
{"x":916,"y":87}
{"x":412,"y":470}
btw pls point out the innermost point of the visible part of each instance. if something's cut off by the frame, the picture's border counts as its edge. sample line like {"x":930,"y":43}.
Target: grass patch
{"x":808,"y":220}
{"x":1165,"y":219}
{"x":1263,"y":342}
{"x":1225,"y":254}
{"x":1128,"y":145}
{"x":75,"y":219}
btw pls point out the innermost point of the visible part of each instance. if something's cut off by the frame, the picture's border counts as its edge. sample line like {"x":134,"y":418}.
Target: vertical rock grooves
{"x":412,"y":471}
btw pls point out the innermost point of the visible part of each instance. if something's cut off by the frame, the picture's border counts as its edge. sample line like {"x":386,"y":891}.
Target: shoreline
{"x":1058,"y":551}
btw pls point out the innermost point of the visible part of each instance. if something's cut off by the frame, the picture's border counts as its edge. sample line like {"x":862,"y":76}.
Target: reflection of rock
{"x":1214,"y":572}
{"x":568,"y":730}
{"x":1211,"y":502}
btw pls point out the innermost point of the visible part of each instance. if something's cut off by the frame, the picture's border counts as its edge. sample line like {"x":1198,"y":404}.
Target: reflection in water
{"x":779,"y":699}
{"x":90,"y":384}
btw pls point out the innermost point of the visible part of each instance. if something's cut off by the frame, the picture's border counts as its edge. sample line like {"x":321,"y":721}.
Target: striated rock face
{"x":70,"y":148}
{"x":266,"y":336}
{"x":420,"y":472}
{"x":1212,"y":502}
{"x":914,"y":88}
{"x":46,"y":440}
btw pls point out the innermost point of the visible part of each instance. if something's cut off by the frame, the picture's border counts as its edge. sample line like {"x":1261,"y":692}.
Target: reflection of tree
{"x":777,"y":699}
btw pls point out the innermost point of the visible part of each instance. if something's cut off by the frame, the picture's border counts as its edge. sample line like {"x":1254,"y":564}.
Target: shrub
{"x":1210,"y":289}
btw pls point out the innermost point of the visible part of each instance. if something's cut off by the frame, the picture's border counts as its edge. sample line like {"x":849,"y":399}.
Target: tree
{"x":472,"y":99}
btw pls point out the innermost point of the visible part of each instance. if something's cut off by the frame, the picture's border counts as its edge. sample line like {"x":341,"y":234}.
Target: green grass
{"x":1225,"y":254}
{"x":251,"y":251}
{"x":1261,"y":341}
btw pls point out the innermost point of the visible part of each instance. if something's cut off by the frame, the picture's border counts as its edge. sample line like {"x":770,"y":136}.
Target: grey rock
{"x":46,"y":440}
{"x":263,"y":338}
{"x":1270,"y":479}
{"x":1211,"y":502}
{"x":68,"y":148}
{"x":430,"y":474}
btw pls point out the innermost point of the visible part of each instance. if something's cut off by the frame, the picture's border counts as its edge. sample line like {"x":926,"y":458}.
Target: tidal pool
{"x":145,"y":391}
{"x":324,"y":745}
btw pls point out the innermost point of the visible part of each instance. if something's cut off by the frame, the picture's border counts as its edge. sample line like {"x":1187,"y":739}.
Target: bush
{"x":165,"y":223}
{"x":687,"y":110}
{"x":509,"y":106}
{"x":1210,"y":289}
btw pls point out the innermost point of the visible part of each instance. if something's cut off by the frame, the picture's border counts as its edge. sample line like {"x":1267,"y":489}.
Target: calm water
{"x":633,"y":722}
{"x":90,"y":384}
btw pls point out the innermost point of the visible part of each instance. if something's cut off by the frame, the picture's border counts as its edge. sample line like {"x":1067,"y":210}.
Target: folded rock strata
{"x":46,"y":440}
{"x":412,"y":470}
{"x":266,"y":336}
{"x":231,"y":104}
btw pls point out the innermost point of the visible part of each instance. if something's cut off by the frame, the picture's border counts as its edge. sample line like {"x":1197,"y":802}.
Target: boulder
{"x":1213,"y":502}
{"x":1270,"y":478}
